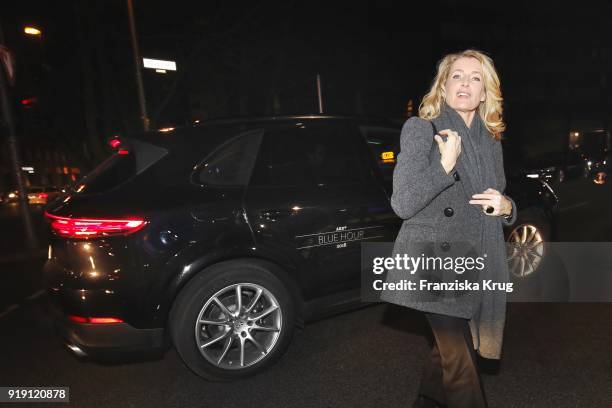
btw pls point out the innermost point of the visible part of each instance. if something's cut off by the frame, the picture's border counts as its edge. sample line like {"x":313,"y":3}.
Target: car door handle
{"x":275,"y":213}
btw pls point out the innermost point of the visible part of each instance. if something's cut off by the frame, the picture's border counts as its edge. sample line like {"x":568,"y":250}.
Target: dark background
{"x":261,"y":58}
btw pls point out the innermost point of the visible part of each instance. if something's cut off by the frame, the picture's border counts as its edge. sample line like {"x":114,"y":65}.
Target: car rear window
{"x":178,"y":157}
{"x":119,"y":168}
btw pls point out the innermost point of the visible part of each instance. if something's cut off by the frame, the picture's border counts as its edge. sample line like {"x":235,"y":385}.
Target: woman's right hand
{"x":449,"y":150}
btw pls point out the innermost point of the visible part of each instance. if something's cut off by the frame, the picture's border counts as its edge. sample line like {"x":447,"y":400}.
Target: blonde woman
{"x":448,"y":187}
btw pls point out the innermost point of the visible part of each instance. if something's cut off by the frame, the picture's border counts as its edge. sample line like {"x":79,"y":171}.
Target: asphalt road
{"x":555,"y":355}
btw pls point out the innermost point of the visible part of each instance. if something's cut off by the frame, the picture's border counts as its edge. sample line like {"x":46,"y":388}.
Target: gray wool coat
{"x":435,"y":208}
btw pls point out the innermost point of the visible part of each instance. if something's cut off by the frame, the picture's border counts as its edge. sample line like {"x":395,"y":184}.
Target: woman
{"x":451,"y":191}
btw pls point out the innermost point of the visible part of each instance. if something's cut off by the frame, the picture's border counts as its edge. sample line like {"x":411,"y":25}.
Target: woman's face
{"x":465,"y":85}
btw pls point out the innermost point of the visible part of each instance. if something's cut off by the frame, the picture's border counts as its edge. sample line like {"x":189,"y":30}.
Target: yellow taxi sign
{"x":387,"y":155}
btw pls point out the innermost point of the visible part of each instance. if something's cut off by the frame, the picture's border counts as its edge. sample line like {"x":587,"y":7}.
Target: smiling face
{"x":465,"y":85}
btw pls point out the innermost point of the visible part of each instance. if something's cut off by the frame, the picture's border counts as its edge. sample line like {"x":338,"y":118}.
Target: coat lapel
{"x":465,"y":172}
{"x":464,"y":165}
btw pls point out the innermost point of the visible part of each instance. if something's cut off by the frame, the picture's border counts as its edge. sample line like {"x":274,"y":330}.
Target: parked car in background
{"x":37,"y":195}
{"x":10,"y":196}
{"x":43,"y":195}
{"x":578,"y":175}
{"x":219,"y":238}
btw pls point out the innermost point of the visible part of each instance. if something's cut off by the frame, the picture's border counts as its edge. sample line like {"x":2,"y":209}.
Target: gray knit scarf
{"x":477,"y":170}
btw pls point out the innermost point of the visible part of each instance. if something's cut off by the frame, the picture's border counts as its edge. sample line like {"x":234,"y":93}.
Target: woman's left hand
{"x":493,"y":198}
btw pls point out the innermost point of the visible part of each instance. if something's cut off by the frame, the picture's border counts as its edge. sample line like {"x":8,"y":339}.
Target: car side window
{"x":231,"y":163}
{"x":384,"y":144}
{"x":311,"y":154}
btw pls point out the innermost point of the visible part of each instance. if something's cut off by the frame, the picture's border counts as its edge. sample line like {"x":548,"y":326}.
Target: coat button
{"x":445,"y":246}
{"x":456,"y":176}
{"x":449,"y":212}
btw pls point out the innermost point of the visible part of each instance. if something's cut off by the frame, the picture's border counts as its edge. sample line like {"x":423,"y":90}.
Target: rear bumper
{"x":119,"y":340}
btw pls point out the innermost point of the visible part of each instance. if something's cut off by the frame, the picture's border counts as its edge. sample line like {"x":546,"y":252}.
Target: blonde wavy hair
{"x":490,"y":110}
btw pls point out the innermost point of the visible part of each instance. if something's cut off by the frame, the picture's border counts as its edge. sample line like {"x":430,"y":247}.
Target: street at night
{"x":293,"y":204}
{"x":555,"y":356}
{"x":372,"y":357}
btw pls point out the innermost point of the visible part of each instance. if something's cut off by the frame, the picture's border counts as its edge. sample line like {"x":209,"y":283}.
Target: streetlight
{"x":137,"y":63}
{"x":32,"y":30}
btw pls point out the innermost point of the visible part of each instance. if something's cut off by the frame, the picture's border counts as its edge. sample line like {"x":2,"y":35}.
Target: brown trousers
{"x":451,"y":373}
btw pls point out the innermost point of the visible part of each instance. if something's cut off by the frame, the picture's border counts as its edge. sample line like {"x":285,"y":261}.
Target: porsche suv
{"x":220,"y":238}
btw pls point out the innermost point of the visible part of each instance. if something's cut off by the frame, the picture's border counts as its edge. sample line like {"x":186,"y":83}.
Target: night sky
{"x":261,"y":58}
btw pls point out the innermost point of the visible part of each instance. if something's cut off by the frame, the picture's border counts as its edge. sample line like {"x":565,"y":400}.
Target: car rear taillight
{"x":90,"y":228}
{"x":43,"y":196}
{"x":94,"y":320}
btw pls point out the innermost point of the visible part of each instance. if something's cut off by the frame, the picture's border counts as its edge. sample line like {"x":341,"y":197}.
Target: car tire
{"x":213,"y":339}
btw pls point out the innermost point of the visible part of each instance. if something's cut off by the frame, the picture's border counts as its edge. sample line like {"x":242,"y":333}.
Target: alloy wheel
{"x":238,"y":326}
{"x":526,"y":250}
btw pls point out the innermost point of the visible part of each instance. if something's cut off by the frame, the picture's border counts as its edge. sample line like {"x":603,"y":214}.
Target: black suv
{"x":219,"y":238}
